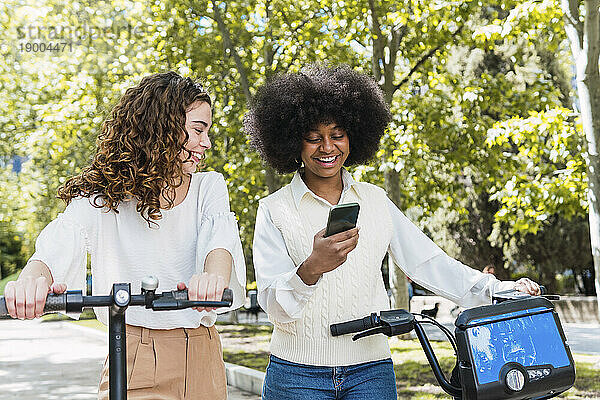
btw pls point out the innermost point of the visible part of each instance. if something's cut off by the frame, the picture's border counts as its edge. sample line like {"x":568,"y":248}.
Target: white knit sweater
{"x":353,"y":290}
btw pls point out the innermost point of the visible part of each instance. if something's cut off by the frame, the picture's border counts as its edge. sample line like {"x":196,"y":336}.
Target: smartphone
{"x":341,"y":218}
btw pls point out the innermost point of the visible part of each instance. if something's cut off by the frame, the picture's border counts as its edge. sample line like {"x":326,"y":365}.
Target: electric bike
{"x":512,"y":349}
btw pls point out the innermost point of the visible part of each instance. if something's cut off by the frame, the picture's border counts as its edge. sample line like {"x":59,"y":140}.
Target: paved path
{"x":43,"y":361}
{"x":583,"y":338}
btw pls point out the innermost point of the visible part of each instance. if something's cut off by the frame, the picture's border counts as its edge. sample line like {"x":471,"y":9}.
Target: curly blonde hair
{"x":137,"y":155}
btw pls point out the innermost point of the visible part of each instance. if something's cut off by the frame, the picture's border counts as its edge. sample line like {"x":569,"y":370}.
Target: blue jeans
{"x":369,"y":381}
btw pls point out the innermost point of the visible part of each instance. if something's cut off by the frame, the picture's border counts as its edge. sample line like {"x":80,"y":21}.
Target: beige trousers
{"x":172,"y":364}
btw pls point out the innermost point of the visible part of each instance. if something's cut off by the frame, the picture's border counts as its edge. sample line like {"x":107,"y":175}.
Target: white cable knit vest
{"x":353,"y":290}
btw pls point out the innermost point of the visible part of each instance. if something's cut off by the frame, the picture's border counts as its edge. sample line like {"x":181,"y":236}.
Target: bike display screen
{"x":527,"y":337}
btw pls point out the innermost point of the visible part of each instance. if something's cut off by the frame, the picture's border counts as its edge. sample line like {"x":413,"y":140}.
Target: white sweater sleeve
{"x":63,"y":245}
{"x":426,"y":264}
{"x":281,"y":292}
{"x":219,"y":230}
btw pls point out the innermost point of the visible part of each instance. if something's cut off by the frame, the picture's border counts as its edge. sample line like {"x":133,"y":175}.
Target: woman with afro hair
{"x":315,"y":123}
{"x":140,"y":208}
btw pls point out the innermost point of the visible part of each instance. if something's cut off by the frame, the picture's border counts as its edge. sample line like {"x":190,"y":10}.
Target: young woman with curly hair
{"x":314,"y":123}
{"x":141,"y":209}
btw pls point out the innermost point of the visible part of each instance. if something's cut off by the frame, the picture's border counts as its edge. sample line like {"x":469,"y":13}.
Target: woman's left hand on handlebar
{"x":528,"y":286}
{"x":204,"y":287}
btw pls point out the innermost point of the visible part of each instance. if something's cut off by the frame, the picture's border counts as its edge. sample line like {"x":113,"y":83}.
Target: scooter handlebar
{"x":59,"y":302}
{"x":54,"y":303}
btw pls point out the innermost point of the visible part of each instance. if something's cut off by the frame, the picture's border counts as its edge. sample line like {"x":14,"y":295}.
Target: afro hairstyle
{"x":288,"y":106}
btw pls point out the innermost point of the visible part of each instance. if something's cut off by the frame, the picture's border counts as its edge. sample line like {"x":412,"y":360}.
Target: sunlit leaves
{"x":543,"y":171}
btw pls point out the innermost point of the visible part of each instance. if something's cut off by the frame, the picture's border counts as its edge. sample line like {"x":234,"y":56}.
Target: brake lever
{"x":513,"y":294}
{"x":506,"y":295}
{"x":551,"y":296}
{"x":170,"y":303}
{"x":374,"y":331}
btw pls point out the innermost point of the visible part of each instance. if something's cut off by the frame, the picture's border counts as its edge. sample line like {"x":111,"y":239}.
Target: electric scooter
{"x":512,"y":349}
{"x":119,"y":299}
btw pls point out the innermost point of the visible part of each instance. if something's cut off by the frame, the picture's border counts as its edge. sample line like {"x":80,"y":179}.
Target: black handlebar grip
{"x":54,"y":303}
{"x":356,"y":325}
{"x":543,"y":290}
{"x":3,"y":310}
{"x":183,"y":295}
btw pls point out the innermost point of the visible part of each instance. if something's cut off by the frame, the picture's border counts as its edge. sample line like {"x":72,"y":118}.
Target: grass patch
{"x":87,"y":314}
{"x":245,"y":330}
{"x":92,"y":323}
{"x":422,"y":393}
{"x":587,"y":379}
{"x":4,"y":281}
{"x":413,"y":373}
{"x":256,"y":360}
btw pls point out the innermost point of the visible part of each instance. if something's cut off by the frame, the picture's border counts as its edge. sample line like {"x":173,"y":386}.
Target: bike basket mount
{"x":513,"y":350}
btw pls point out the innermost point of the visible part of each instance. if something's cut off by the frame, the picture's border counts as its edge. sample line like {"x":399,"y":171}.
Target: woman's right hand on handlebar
{"x":328,"y":253}
{"x":26,"y":297}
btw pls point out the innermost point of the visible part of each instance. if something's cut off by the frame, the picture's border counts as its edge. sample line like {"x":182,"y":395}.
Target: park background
{"x":495,"y":112}
{"x":486,"y":151}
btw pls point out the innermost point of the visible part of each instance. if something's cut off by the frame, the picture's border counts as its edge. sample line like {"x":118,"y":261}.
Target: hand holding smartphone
{"x":341,"y":218}
{"x":325,"y":257}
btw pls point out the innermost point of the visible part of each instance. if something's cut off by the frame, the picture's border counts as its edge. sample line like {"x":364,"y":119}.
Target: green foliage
{"x":61,"y":97}
{"x":12,"y":214}
{"x":11,"y":257}
{"x":544,"y":170}
{"x":482,"y":142}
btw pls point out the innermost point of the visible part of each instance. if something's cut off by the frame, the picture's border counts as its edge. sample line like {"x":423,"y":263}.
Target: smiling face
{"x":325,"y":148}
{"x":198,"y":120}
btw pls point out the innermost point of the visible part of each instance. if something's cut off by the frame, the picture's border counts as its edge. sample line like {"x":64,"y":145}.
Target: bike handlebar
{"x":357,"y":325}
{"x":74,"y":301}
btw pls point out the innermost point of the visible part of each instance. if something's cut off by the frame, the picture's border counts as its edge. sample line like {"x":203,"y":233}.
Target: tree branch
{"x":378,"y":43}
{"x":423,"y":59}
{"x":269,"y":53}
{"x":236,"y":57}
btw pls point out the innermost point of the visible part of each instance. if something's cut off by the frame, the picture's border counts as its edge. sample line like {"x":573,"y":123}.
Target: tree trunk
{"x":590,"y":118}
{"x":398,"y":285}
{"x":385,"y":78}
{"x":584,"y":37}
{"x":398,"y":282}
{"x":229,"y":46}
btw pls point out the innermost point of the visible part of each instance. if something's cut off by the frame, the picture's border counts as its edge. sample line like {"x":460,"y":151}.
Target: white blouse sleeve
{"x":219,"y":230}
{"x":63,"y":246}
{"x":426,"y":264}
{"x":281,"y":292}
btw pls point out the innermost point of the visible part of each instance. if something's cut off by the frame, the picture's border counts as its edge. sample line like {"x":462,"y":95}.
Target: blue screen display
{"x":525,"y":339}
